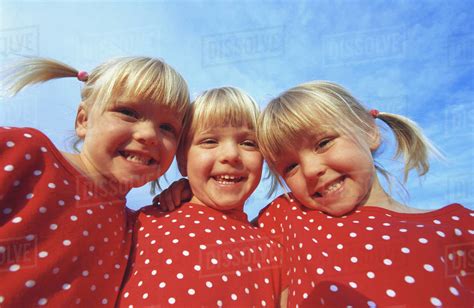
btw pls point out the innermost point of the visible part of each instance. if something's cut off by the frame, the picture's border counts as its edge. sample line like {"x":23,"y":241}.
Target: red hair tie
{"x":374,"y":113}
{"x":82,"y":76}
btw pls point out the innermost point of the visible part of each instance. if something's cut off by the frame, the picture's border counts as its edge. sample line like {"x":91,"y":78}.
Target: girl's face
{"x":130,"y":144}
{"x":224,"y":166}
{"x":329,"y":172}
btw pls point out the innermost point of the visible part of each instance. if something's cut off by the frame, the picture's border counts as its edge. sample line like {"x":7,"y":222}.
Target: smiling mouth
{"x":227,"y":179}
{"x":137,"y":158}
{"x":333,"y":187}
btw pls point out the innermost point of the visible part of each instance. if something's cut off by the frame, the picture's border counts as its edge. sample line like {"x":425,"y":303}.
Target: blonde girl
{"x":64,"y":236}
{"x":349,"y":242}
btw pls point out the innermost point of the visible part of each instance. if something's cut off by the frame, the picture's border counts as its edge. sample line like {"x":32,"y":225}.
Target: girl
{"x":64,"y":236}
{"x":349,"y":242}
{"x":206,"y":253}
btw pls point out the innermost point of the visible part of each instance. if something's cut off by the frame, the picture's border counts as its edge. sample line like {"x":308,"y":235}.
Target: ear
{"x":82,"y":118}
{"x":375,"y":140}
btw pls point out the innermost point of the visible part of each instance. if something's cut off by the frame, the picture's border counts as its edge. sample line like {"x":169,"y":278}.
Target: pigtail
{"x":411,"y":143}
{"x":35,"y":70}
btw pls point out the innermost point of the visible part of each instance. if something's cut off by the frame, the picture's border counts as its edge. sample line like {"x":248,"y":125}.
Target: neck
{"x":111,"y":188}
{"x":379,"y":198}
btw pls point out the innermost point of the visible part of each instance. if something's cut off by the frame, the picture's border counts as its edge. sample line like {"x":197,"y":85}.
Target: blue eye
{"x":168,"y":128}
{"x":128,"y":112}
{"x":250,"y":143}
{"x":289,"y":168}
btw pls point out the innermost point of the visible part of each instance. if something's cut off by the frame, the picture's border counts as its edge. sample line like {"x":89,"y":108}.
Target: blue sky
{"x":416,"y":59}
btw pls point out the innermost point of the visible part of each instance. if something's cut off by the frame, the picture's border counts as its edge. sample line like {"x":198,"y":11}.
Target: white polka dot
{"x":191,"y":292}
{"x":308,"y":257}
{"x":37,"y":172}
{"x":10,"y":144}
{"x":74,"y":218}
{"x":179,"y":276}
{"x":333,"y":288}
{"x":386,"y":237}
{"x":352,"y":234}
{"x":455,"y":218}
{"x":162,"y":285}
{"x":43,"y":149}
{"x":29,"y":196}
{"x":171,"y":300}
{"x":9,"y":168}
{"x":67,"y":243}
{"x":42,"y":210}
{"x":391,"y":293}
{"x":16,"y":220}
{"x":437,"y":222}
{"x":409,"y":279}
{"x":405,"y":250}
{"x":208,"y":284}
{"x":371,"y":275}
{"x":61,"y":203}
{"x":30,"y":283}
{"x":435,"y":301}
{"x":387,"y":262}
{"x":43,"y":254}
{"x":337,"y":268}
{"x":27,"y":156}
{"x":369,"y":246}
{"x":66,"y":286}
{"x":42,"y":301}
{"x":145,"y":295}
{"x":320,"y":271}
{"x":234,"y":297}
{"x":197,"y":268}
{"x":423,"y":240}
{"x":371,"y":304}
{"x":14,"y":268}
{"x":457,"y":232}
{"x":428,"y":267}
{"x":214,"y":261}
{"x":224,"y":278}
{"x":202,"y":247}
{"x":454,"y":291}
{"x":7,"y":211}
{"x":353,"y":284}
{"x":219,"y":303}
{"x":85,"y":273}
{"x":440,"y":233}
{"x":169,"y":261}
{"x":354,"y":259}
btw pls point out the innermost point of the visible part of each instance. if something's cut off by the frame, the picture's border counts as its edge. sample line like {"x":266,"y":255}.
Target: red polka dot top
{"x":196,"y":256}
{"x":61,"y":241}
{"x":375,"y":257}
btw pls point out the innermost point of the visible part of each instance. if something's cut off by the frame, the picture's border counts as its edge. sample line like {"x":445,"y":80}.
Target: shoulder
{"x":25,"y":137}
{"x":279,"y":204}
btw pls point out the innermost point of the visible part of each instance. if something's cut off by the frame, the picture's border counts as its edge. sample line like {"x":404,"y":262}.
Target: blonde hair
{"x":149,"y":79}
{"x":320,"y":105}
{"x":216,"y":108}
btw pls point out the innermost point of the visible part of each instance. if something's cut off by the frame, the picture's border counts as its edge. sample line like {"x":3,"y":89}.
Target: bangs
{"x":143,"y":79}
{"x":224,"y":107}
{"x":297,"y":115}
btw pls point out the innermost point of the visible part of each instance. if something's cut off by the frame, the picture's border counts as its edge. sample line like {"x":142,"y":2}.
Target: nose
{"x":229,"y":152}
{"x":312,"y":167}
{"x":147,"y":133}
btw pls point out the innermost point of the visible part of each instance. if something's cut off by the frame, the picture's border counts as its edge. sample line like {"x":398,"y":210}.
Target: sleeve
{"x":272,"y":221}
{"x":460,"y":254}
{"x":19,"y":159}
{"x":271,"y":218}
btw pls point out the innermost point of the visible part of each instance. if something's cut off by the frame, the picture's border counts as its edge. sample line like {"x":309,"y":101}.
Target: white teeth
{"x":227,"y":179}
{"x":333,"y":187}
{"x":137,"y":158}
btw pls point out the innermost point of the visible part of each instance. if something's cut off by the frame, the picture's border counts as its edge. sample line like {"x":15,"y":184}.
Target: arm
{"x":284,"y":298}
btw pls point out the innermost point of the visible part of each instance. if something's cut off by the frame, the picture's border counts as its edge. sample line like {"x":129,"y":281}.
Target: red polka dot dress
{"x":375,"y":257}
{"x":62,"y":242}
{"x":199,"y":257}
